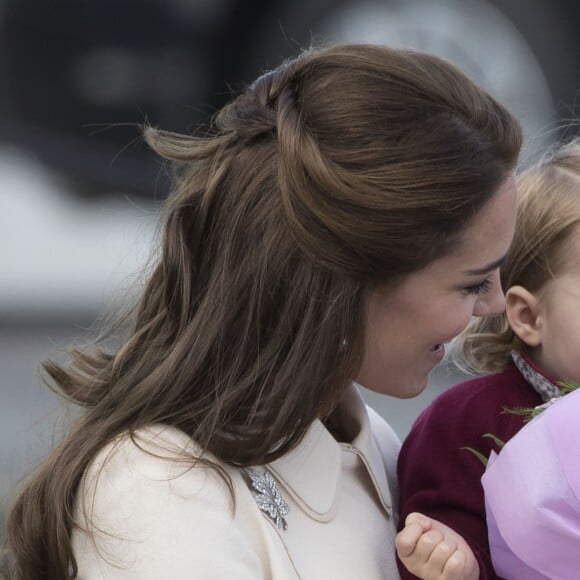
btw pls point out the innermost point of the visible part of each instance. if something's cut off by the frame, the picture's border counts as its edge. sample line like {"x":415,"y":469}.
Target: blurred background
{"x":79,"y":190}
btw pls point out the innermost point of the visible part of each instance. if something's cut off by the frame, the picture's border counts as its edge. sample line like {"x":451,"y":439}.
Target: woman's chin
{"x":412,"y":389}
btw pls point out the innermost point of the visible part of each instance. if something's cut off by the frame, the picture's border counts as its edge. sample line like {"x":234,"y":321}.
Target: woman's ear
{"x":523,"y":311}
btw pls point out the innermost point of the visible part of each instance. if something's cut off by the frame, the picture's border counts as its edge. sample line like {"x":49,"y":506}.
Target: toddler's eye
{"x":481,"y":288}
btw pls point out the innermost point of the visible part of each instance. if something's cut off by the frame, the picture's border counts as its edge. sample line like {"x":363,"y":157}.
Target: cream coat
{"x":158,"y":519}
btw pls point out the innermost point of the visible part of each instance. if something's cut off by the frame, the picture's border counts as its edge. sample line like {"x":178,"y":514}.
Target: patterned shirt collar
{"x":538,"y":380}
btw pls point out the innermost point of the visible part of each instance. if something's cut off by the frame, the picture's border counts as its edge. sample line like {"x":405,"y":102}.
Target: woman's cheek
{"x":464,"y":314}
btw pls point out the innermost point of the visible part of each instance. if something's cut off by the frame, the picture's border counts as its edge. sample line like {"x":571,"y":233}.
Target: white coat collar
{"x":311,"y":472}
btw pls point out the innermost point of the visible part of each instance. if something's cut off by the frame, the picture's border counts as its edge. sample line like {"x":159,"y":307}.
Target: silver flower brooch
{"x":267,"y":496}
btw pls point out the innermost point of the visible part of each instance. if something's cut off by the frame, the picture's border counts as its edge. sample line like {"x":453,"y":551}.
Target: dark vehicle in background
{"x":77,"y":76}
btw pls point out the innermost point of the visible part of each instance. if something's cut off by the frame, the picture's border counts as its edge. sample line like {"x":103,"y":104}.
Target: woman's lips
{"x":438,"y":352}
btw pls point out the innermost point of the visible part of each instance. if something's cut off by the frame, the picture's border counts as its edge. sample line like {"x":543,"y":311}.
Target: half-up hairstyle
{"x":344,"y":168}
{"x":548,"y":215}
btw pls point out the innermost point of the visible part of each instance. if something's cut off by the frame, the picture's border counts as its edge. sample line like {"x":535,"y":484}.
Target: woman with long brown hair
{"x":343,"y":219}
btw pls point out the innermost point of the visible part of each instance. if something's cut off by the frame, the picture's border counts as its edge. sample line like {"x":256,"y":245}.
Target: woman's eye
{"x":481,"y":288}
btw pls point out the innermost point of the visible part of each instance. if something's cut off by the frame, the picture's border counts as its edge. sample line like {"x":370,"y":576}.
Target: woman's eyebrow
{"x":486,"y":269}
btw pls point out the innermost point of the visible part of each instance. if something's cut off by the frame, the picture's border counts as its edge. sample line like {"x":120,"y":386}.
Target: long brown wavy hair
{"x":548,"y":216}
{"x":346,"y":167}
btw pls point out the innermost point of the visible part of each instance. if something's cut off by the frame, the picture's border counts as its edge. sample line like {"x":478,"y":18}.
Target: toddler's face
{"x":559,"y":351}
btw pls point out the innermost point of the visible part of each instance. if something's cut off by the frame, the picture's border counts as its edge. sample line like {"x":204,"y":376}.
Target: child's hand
{"x":433,"y":551}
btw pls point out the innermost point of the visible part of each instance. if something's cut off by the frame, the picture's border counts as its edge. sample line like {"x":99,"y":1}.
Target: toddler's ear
{"x":523,"y":311}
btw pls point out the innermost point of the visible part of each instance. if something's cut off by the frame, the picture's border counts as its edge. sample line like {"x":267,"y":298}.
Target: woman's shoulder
{"x":151,"y":501}
{"x":153,"y":447}
{"x":154,"y":456}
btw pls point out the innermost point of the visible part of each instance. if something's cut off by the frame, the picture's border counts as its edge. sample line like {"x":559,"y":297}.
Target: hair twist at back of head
{"x":255,"y":112}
